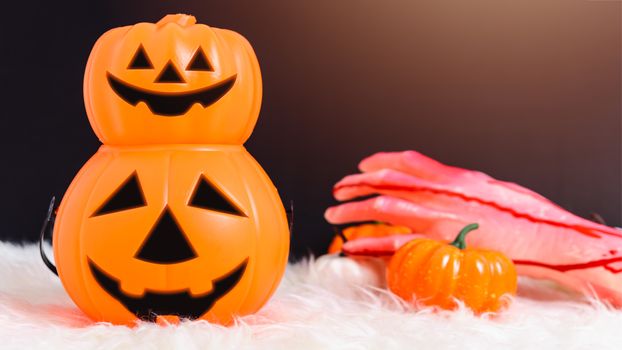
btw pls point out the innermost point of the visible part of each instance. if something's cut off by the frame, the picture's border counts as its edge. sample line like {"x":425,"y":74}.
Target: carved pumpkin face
{"x":172,"y":82}
{"x":170,"y":230}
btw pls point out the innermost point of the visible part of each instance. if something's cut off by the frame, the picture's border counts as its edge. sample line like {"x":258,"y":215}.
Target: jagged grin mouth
{"x":179,"y":303}
{"x":170,"y":104}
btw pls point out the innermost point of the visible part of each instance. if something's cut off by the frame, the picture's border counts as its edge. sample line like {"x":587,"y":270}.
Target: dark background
{"x":525,"y":90}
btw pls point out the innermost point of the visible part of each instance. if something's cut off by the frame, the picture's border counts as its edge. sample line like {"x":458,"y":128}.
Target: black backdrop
{"x":527,"y":91}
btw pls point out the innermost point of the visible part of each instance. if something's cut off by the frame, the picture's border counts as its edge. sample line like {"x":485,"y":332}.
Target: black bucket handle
{"x":290,"y":217}
{"x":49,"y":218}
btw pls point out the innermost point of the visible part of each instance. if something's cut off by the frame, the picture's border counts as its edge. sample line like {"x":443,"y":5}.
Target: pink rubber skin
{"x":543,"y":239}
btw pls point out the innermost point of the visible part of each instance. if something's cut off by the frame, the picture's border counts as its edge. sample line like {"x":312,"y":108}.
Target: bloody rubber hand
{"x":543,"y":240}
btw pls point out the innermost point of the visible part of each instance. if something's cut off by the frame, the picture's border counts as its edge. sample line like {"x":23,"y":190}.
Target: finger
{"x":388,"y":209}
{"x":387,"y":181}
{"x":378,"y":246}
{"x":410,"y":162}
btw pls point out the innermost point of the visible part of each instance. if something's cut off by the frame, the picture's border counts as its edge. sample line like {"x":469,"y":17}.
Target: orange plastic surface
{"x":436,"y":274}
{"x":175,"y":40}
{"x":162,"y":160}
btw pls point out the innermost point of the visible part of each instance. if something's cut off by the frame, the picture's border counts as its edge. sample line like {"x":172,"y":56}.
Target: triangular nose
{"x":169,"y":74}
{"x":166,"y":243}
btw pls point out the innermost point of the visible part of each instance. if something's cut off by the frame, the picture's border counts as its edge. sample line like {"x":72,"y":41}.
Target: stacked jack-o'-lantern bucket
{"x":171,"y":216}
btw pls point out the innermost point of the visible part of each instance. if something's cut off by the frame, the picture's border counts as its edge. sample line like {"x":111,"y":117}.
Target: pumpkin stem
{"x":459,"y":241}
{"x":181,"y":19}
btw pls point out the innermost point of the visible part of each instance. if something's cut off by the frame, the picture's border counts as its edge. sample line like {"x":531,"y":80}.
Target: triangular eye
{"x":128,"y":196}
{"x":169,"y":74}
{"x":199,"y":62}
{"x":140,"y":60}
{"x":206,"y":196}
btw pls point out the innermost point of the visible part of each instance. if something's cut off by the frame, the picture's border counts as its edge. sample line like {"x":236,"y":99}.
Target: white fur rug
{"x":321,"y":304}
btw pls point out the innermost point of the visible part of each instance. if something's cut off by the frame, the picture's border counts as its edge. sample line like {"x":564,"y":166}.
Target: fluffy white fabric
{"x":321,"y":304}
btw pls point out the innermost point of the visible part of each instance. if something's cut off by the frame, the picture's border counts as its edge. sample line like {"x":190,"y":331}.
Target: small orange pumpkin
{"x":437,"y":274}
{"x":366,"y":230}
